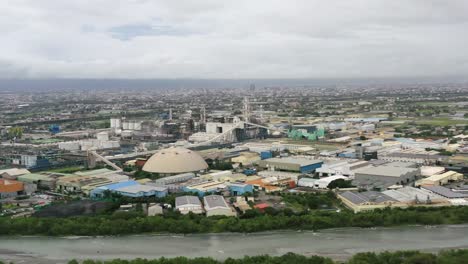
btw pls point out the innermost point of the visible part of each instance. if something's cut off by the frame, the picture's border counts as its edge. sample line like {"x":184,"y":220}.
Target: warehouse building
{"x":42,"y":181}
{"x":440,"y":179}
{"x":129,"y":189}
{"x":216,"y":205}
{"x":175,"y":179}
{"x":409,"y":194}
{"x":382,"y":177}
{"x":187,"y":204}
{"x":445,"y":192}
{"x":12,"y":174}
{"x":302,"y":165}
{"x":366,"y":201}
{"x":205,"y":188}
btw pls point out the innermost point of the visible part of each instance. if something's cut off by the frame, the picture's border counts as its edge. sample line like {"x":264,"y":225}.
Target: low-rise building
{"x":188,"y":203}
{"x":297,"y":164}
{"x":12,"y":174}
{"x":216,"y":205}
{"x":175,"y":179}
{"x":42,"y":181}
{"x":10,"y":188}
{"x":129,"y":189}
{"x":440,"y":179}
{"x":205,"y":187}
{"x":382,"y":177}
{"x":366,"y":201}
{"x":239,"y":188}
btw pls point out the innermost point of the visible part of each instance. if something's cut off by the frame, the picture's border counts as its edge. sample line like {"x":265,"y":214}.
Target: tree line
{"x":121,"y":223}
{"x":399,"y":257}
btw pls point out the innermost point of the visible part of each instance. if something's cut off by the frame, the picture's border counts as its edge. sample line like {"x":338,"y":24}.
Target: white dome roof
{"x":175,"y":160}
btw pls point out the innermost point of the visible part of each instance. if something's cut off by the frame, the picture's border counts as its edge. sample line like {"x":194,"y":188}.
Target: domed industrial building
{"x":175,"y":160}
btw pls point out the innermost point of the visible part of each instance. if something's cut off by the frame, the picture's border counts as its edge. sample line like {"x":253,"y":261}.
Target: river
{"x":334,"y":243}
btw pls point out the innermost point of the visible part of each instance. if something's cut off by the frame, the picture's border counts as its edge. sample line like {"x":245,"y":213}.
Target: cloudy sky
{"x":232,"y":39}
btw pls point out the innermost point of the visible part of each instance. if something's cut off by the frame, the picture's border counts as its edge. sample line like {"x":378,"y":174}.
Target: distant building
{"x":129,"y":189}
{"x":187,"y":204}
{"x":382,"y":177}
{"x":155,"y":209}
{"x":302,"y":165}
{"x":216,"y":205}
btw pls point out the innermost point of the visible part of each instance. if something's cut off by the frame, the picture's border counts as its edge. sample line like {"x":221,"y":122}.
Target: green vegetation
{"x":71,"y":169}
{"x":15,"y":132}
{"x":399,"y":257}
{"x":121,"y":223}
{"x":308,"y":201}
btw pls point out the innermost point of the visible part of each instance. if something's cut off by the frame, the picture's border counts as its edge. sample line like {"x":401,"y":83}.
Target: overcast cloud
{"x":232,"y":39}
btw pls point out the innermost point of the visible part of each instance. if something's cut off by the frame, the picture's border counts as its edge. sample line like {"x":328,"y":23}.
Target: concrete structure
{"x":10,"y":188}
{"x":384,"y":176}
{"x":302,"y":165}
{"x":187,"y":204}
{"x":440,"y":179}
{"x":216,"y":205}
{"x":175,"y":160}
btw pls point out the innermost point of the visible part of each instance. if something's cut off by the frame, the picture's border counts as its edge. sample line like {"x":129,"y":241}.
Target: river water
{"x":334,"y":243}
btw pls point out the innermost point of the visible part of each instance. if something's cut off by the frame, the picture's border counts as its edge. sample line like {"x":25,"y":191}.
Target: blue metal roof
{"x":115,"y":186}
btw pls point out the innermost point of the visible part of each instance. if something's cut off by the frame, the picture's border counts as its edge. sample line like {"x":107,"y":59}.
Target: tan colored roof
{"x":175,"y":160}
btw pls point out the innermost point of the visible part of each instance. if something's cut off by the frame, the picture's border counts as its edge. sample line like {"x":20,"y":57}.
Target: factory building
{"x":216,"y":205}
{"x":183,"y":177}
{"x":366,"y":201}
{"x":175,"y":160}
{"x":382,"y":177}
{"x":42,"y":181}
{"x":302,"y":165}
{"x":129,"y":189}
{"x":187,"y":204}
{"x":413,"y":195}
{"x":440,"y":179}
{"x":445,"y":192}
{"x":205,"y":188}
{"x":340,"y":167}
